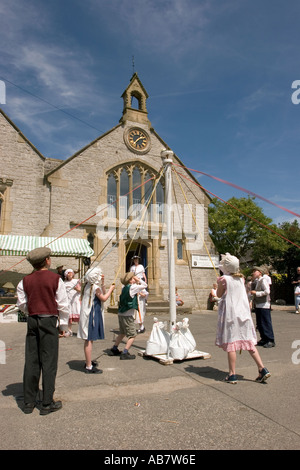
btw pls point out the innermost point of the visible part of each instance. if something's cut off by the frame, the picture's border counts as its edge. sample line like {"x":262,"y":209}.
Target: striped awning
{"x":18,"y":245}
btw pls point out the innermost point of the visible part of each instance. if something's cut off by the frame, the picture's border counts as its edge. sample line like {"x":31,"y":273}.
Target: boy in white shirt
{"x":128,"y":306}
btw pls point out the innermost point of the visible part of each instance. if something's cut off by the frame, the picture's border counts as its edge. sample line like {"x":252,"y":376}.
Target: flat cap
{"x":261,"y":269}
{"x":38,"y":255}
{"x":125,"y":280}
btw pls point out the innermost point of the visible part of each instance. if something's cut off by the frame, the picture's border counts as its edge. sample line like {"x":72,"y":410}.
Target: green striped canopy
{"x":18,"y":245}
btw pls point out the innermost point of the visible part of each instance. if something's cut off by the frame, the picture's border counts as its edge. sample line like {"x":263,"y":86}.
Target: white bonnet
{"x":67,"y":271}
{"x":229,"y":264}
{"x":93,"y":275}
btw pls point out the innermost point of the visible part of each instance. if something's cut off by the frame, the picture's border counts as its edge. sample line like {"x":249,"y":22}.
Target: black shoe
{"x":93,"y":370}
{"x":269,"y":344}
{"x":28,"y":408}
{"x":261,"y":342}
{"x":141,"y":330}
{"x":127,"y":356}
{"x":94,"y":364}
{"x":114,"y":352}
{"x":47,"y":409}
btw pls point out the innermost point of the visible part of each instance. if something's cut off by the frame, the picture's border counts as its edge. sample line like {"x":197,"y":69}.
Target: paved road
{"x":142,"y":404}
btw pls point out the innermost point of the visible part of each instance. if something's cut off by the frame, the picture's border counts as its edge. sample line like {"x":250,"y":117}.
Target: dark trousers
{"x":41,"y":356}
{"x":264,"y":324}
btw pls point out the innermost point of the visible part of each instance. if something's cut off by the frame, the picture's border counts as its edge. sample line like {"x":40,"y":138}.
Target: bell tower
{"x":135,"y":94}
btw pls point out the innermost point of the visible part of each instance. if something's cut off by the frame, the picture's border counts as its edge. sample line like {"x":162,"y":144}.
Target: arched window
{"x":132,"y":188}
{"x":135,"y":102}
{"x":160,"y":202}
{"x":136,"y":186}
{"x":1,"y":203}
{"x":136,"y":193}
{"x":5,"y":184}
{"x":179,"y":249}
{"x":124,"y":199}
{"x":148,"y":199}
{"x":90,"y":239}
{"x":111,"y":195}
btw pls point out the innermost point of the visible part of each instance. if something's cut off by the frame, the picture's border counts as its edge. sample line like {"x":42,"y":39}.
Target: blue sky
{"x":219,"y":76}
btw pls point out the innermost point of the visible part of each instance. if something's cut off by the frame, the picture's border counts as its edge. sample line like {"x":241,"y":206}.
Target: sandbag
{"x":178,"y":348}
{"x":190,"y":340}
{"x":159,"y":339}
{"x":182,"y":341}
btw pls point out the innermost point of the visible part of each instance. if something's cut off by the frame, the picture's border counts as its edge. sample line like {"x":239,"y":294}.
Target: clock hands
{"x":142,"y":137}
{"x":138,"y":139}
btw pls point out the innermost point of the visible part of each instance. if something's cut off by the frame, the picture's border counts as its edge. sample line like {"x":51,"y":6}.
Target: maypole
{"x":167,"y":162}
{"x":178,"y":343}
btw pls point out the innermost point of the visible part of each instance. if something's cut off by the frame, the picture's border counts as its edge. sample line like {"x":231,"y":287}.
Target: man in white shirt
{"x":263,"y":308}
{"x":42,"y":296}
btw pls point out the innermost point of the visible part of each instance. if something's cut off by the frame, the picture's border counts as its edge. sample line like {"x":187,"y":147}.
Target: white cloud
{"x":171,"y":26}
{"x":257,"y":99}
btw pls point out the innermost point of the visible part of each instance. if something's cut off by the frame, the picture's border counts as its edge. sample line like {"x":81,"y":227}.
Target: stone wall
{"x":72,"y":192}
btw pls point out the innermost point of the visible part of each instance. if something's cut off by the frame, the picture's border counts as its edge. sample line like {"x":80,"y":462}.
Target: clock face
{"x":138,"y":139}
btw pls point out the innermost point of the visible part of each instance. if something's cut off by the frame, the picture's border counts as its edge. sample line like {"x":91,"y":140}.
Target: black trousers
{"x":264,"y":324}
{"x":41,"y":356}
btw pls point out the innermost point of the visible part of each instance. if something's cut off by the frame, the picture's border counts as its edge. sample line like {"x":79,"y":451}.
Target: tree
{"x":240,"y":227}
{"x":290,"y":256}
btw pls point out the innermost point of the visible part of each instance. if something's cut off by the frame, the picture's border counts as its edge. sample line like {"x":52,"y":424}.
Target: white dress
{"x":74,"y":298}
{"x":90,"y":306}
{"x":235,"y":330}
{"x":138,"y":270}
{"x":141,"y":312}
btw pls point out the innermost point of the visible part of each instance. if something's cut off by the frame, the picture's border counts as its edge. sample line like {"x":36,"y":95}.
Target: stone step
{"x":158,"y":309}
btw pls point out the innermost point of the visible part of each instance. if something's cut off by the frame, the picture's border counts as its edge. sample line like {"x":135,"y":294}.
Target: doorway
{"x":137,"y":249}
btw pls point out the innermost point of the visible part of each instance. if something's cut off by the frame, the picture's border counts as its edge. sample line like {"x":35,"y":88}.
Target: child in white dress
{"x":235,"y":330}
{"x":73,"y":288}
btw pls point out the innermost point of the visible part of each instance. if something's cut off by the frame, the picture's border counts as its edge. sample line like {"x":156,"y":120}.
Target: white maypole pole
{"x":155,"y":347}
{"x":167,"y":160}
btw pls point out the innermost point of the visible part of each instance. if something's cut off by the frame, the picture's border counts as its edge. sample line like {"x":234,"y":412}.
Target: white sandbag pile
{"x":177,"y":345}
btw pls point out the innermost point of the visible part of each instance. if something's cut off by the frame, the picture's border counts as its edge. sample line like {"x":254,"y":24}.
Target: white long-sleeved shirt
{"x":60,"y":297}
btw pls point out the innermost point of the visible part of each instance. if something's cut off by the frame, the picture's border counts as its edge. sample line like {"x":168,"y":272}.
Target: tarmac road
{"x":144,"y":405}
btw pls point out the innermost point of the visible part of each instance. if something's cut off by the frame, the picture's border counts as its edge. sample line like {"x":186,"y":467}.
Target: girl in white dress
{"x":235,"y":330}
{"x":73,"y":288}
{"x":138,"y":269}
{"x":91,"y":324}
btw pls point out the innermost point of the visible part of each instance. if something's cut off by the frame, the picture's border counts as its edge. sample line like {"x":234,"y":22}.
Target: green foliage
{"x":289,"y":258}
{"x":239,"y":227}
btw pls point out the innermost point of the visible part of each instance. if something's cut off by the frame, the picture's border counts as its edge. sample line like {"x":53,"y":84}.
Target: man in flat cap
{"x":42,"y":296}
{"x":261,"y":297}
{"x":128,"y":305}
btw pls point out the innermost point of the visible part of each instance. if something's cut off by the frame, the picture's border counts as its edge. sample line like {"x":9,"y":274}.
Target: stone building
{"x":117,"y":183}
